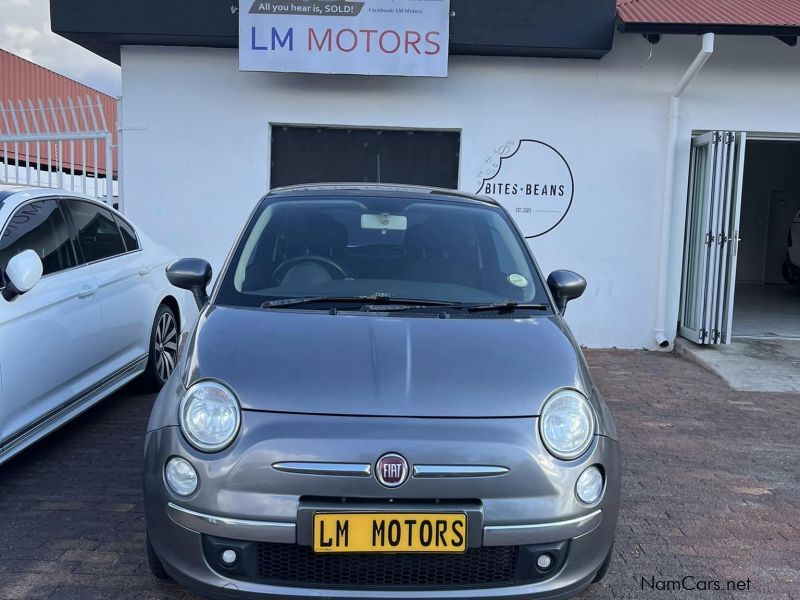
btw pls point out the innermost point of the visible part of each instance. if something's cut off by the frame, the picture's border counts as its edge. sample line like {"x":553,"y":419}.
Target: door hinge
{"x":715,"y":335}
{"x":715,"y":138}
{"x":709,"y":238}
{"x":703,"y":335}
{"x":722,"y":239}
{"x":728,"y":137}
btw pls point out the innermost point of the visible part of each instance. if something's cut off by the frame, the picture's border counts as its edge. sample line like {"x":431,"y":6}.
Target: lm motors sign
{"x":367,"y":37}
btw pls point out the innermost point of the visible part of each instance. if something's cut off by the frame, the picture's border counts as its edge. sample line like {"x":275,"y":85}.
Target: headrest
{"x":438,"y":235}
{"x":315,"y":234}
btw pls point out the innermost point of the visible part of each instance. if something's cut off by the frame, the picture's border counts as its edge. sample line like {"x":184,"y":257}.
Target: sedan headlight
{"x":567,"y":424}
{"x":209,"y":416}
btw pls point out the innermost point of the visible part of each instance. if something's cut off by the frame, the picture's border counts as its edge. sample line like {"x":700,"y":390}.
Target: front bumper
{"x":286,"y":533}
{"x":243,"y":500}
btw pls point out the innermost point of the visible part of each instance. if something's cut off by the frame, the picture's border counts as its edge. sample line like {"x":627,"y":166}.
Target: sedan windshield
{"x":354,"y":252}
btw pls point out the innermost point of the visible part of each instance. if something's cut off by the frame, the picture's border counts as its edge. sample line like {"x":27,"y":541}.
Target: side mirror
{"x":23,"y":271}
{"x":565,"y":286}
{"x":191,"y":274}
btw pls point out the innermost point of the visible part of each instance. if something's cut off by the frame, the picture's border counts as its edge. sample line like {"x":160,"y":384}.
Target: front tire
{"x":156,"y":567}
{"x":791,"y":273}
{"x":163,"y":354}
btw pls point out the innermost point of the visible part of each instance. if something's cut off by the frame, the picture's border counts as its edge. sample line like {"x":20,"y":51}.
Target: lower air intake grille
{"x":292,"y":565}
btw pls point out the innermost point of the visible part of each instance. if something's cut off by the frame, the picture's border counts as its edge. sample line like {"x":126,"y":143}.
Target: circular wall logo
{"x":533,"y":181}
{"x":391,"y":470}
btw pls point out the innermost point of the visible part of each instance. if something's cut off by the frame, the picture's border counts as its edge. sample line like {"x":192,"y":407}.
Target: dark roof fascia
{"x":545,"y":28}
{"x":702,"y":28}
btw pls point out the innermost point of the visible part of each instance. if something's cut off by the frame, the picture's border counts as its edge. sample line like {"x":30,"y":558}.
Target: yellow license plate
{"x":385,"y":532}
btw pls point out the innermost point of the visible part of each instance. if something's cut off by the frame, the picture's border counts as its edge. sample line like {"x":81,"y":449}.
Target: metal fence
{"x":62,"y":143}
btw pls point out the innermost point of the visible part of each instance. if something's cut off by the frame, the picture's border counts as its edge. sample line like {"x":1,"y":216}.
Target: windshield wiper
{"x":377,"y":299}
{"x":289,"y":302}
{"x":396,"y":305}
{"x":508,"y":306}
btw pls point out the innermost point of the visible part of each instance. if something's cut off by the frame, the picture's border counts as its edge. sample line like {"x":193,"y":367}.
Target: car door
{"x":117,"y":264}
{"x":47,"y":336}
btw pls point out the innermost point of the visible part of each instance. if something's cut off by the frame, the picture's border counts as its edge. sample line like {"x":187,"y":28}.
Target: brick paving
{"x":711,"y":489}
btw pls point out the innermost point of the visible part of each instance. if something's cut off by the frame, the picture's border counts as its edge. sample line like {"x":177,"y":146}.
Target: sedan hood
{"x":311,"y":362}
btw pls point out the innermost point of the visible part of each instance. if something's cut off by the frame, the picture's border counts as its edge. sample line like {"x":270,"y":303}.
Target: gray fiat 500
{"x":380,"y":399}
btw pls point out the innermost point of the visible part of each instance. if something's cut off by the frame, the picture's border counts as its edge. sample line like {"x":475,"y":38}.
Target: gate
{"x":64,"y":144}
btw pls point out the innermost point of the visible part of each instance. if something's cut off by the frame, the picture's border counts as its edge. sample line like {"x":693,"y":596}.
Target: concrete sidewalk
{"x":750,"y":364}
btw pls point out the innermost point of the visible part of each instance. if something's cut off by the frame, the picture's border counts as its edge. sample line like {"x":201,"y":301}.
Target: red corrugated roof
{"x":23,"y":80}
{"x":769,"y":13}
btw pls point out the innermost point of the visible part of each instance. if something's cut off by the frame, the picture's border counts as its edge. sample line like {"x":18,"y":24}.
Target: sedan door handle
{"x":87,"y":291}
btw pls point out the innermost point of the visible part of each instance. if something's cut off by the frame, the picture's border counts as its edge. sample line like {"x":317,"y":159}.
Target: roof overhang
{"x":701,"y":28}
{"x":654,"y":18}
{"x":653,"y":31}
{"x":546,"y":28}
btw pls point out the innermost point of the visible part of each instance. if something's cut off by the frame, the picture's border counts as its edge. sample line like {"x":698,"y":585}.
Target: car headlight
{"x":181,"y":476}
{"x":209,"y":416}
{"x":567,"y":424}
{"x":589,"y":487}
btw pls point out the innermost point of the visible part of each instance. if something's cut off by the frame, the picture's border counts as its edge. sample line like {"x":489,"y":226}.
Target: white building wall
{"x":196,"y":146}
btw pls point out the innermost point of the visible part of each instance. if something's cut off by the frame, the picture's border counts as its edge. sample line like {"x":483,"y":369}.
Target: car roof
{"x":15,"y":194}
{"x":377,"y":189}
{"x":7,"y":190}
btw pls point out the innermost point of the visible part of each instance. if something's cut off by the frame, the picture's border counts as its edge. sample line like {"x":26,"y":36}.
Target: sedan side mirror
{"x":23,"y":271}
{"x":191,"y":274}
{"x":565,"y":286}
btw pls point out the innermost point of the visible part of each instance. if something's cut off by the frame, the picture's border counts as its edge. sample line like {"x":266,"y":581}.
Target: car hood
{"x":311,"y":362}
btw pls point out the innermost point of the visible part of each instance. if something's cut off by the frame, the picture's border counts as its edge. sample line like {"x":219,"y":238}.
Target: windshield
{"x":392,"y":248}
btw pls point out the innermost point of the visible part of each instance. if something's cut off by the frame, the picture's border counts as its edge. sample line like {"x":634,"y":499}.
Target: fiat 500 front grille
{"x":299,"y":566}
{"x":293,"y":565}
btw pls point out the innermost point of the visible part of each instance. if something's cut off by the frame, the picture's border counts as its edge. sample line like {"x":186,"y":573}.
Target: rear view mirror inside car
{"x":384,"y":222}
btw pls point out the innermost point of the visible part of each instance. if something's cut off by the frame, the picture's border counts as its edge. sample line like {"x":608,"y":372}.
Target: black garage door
{"x":330,"y":154}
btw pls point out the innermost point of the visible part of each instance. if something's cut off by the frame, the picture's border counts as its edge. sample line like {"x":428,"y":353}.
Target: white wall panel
{"x":197,"y":148}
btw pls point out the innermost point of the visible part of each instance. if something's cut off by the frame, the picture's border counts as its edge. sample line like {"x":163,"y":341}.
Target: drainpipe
{"x":665,"y":289}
